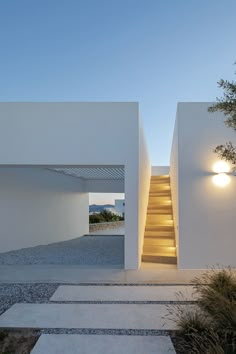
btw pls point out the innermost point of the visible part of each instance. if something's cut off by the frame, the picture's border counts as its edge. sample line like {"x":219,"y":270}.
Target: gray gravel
{"x":86,"y":251}
{"x":28,"y":293}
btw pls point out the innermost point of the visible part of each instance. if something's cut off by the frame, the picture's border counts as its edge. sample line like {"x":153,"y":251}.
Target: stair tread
{"x":167,"y":248}
{"x":160,"y":193}
{"x":158,"y":227}
{"x":160,"y":207}
{"x":157,"y":238}
{"x":165,"y":199}
{"x":159,"y":259}
{"x":160,"y":178}
{"x":159,"y":214}
{"x":159,"y":211}
{"x":158,"y":250}
{"x":147,"y":235}
{"x":157,"y":254}
{"x":149,"y":224}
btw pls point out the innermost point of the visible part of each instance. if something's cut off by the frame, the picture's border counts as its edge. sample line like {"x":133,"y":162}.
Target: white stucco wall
{"x":174,"y":183}
{"x":40,"y":207}
{"x":76,"y":134}
{"x":144,"y":172}
{"x":206,"y":213}
{"x":104,"y":186}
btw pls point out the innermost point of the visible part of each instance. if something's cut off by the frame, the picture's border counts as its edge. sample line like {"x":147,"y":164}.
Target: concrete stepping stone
{"x":102,"y":344}
{"x":100,"y":316}
{"x":123,"y":293}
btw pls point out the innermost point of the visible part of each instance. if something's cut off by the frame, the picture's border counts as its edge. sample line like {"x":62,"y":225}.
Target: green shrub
{"x":104,"y":216}
{"x":95,"y":219}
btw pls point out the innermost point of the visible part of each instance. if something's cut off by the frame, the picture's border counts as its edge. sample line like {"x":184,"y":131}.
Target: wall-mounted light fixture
{"x":221,"y":178}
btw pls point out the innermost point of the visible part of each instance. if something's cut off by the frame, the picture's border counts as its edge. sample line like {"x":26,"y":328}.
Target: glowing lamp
{"x":221,"y":167}
{"x":221,"y":180}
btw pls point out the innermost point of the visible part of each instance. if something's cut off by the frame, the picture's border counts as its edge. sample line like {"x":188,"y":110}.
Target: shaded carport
{"x":70,"y":138}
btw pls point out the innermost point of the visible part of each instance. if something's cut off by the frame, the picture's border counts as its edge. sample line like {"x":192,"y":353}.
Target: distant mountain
{"x":94,"y":208}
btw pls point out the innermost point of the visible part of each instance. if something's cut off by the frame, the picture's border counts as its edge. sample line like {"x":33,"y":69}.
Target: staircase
{"x":159,"y":238}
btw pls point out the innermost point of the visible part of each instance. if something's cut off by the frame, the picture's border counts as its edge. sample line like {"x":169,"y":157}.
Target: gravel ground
{"x":86,"y":251}
{"x":28,"y":293}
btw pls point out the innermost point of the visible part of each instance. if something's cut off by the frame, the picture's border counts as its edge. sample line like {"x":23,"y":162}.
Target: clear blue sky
{"x":157,"y":52}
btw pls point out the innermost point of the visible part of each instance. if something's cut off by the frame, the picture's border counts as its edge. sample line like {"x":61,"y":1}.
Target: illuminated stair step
{"x":161,"y":227}
{"x":159,"y":222}
{"x":161,"y":233}
{"x":161,"y":202}
{"x":158,"y":241}
{"x":159,"y":219}
{"x":160,"y":208}
{"x":159,"y":187}
{"x":160,"y":250}
{"x":165,"y":178}
{"x":162,"y":193}
{"x":165,"y":199}
{"x":154,"y":211}
{"x":153,"y":258}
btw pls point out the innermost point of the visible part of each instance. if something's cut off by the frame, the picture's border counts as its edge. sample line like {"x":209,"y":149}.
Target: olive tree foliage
{"x":227,"y":105}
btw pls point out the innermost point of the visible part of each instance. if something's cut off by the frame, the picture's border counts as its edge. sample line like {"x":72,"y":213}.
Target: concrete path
{"x":105,"y":344}
{"x":123,"y":293}
{"x":78,"y":274}
{"x":95,"y":316}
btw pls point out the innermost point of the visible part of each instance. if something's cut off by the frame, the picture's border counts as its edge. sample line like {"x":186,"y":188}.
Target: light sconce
{"x":221,"y":178}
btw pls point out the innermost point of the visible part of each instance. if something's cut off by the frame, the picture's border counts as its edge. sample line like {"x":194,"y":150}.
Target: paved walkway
{"x":106,"y":344}
{"x":97,"y":314}
{"x":141,"y":293}
{"x":73,"y":274}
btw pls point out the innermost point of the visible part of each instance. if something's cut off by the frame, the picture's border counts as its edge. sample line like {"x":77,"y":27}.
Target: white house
{"x":120,"y":206}
{"x":53,"y":154}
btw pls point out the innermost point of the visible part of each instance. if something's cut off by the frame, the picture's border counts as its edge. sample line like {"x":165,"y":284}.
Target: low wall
{"x":106,"y":225}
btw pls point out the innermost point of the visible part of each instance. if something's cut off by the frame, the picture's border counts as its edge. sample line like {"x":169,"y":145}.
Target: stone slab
{"x":102,"y":344}
{"x":123,"y":293}
{"x":94,"y":316}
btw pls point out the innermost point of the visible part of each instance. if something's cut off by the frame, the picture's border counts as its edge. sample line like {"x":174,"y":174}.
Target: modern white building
{"x":120,"y":206}
{"x":53,"y":154}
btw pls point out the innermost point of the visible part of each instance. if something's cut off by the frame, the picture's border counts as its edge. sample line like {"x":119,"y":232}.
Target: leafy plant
{"x":227,"y":105}
{"x":104,"y":216}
